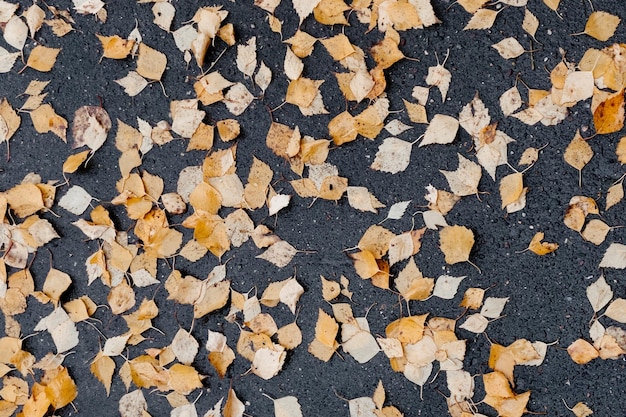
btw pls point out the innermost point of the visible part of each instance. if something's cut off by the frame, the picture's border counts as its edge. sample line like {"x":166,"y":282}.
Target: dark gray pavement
{"x":547,"y":294}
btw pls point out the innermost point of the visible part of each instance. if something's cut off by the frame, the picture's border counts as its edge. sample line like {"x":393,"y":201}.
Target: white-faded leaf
{"x":393,"y":156}
{"x":280,"y":254}
{"x":447,"y":286}
{"x":76,"y":200}
{"x":493,"y":306}
{"x":614,"y":257}
{"x":185,"y":347}
{"x":599,"y":294}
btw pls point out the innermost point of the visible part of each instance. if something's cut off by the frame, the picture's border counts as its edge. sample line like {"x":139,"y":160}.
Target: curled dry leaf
{"x":541,"y":248}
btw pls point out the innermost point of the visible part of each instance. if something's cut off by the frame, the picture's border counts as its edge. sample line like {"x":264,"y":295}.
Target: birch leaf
{"x":7,"y":60}
{"x":393,"y":156}
{"x":287,"y":407}
{"x":42,"y":58}
{"x":614,"y":257}
{"x":510,"y":101}
{"x":304,"y":8}
{"x":456,"y":243}
{"x":614,"y":195}
{"x":76,"y":200}
{"x":464,"y":181}
{"x":599,"y":294}
{"x":482,"y":19}
{"x":509,"y":48}
{"x":280,"y":254}
{"x":132,"y":83}
{"x":397,"y":210}
{"x":601,"y":25}
{"x":447,"y":286}
{"x":16,"y":32}
{"x":442,"y":130}
{"x":530,"y":24}
{"x":246,"y":57}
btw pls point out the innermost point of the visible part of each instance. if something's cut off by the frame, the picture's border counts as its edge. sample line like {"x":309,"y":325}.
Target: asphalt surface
{"x":547,"y":294}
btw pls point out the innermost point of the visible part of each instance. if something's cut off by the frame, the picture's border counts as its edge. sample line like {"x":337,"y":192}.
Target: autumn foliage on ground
{"x":217,"y":207}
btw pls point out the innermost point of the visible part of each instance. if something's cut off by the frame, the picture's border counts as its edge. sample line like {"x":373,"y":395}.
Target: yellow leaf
{"x":456,"y":243}
{"x":342,"y":128}
{"x":539,"y":247}
{"x":581,"y":410}
{"x":471,"y":6}
{"x":473,"y":298}
{"x":42,"y":58}
{"x":331,"y":12}
{"x":302,"y":92}
{"x":151,"y":63}
{"x":338,"y":46}
{"x":609,"y":115}
{"x":46,"y":120}
{"x":222,"y":360}
{"x":326,"y":329}
{"x":511,"y":188}
{"x":386,"y":52}
{"x":481,"y":19}
{"x":61,"y":390}
{"x":601,"y":25}
{"x":289,"y":336}
{"x":102,"y":368}
{"x":595,"y":231}
{"x":416,"y":112}
{"x":25,"y":199}
{"x":73,"y":162}
{"x":184,"y":378}
{"x":621,"y":150}
{"x":116,"y":47}
{"x":365,"y":264}
{"x":552,"y":4}
{"x":407,"y":329}
{"x":582,"y":351}
{"x":614,"y":195}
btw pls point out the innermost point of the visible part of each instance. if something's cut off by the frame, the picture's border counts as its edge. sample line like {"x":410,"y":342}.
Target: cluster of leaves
{"x":218,"y":207}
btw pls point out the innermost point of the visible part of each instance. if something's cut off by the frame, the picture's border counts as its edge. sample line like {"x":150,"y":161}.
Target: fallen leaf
{"x":493,"y":306}
{"x":464,"y":181}
{"x":614,"y":195}
{"x":90,"y":127}
{"x":601,"y":25}
{"x":163,"y":15}
{"x":440,"y":77}
{"x":287,"y":407}
{"x":608,"y":117}
{"x":541,"y":248}
{"x":246,"y":57}
{"x":599,"y":294}
{"x":456,"y":243}
{"x":442,"y":129}
{"x":393,"y":156}
{"x":150,"y":62}
{"x":581,"y":410}
{"x":509,"y":48}
{"x":447,"y":286}
{"x":582,"y":351}
{"x":280,"y":254}
{"x":76,"y":200}
{"x":614,"y":257}
{"x":46,"y":120}
{"x":595,"y":231}
{"x":530,"y":24}
{"x":16,"y":32}
{"x":481,"y":19}
{"x":617,"y":310}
